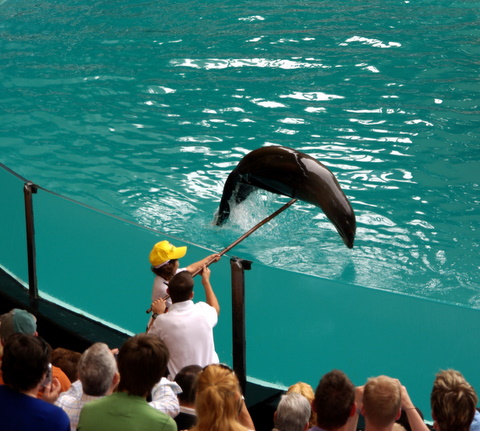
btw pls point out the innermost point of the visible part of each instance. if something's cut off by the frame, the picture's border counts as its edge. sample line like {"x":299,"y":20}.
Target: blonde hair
{"x":382,"y":400}
{"x":218,"y":400}
{"x":453,"y":401}
{"x":307,"y":391}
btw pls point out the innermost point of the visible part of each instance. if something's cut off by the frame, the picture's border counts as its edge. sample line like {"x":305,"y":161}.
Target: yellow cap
{"x":163,"y":251}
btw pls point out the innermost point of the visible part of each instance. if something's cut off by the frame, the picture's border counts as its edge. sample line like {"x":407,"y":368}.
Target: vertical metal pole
{"x":28,"y":189}
{"x":238,"y":319}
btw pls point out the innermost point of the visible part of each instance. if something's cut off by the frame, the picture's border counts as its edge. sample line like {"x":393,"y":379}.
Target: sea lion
{"x":288,"y":172}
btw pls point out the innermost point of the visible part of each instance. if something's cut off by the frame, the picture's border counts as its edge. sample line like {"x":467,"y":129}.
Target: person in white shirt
{"x":187,"y":328}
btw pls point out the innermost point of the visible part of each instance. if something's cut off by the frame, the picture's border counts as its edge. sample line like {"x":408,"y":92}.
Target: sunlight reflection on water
{"x":143,"y":112}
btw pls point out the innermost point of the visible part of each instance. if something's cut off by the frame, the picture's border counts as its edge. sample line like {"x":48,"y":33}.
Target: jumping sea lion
{"x":288,"y":172}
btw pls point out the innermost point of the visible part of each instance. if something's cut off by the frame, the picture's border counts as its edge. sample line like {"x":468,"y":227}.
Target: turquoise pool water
{"x":142,"y":109}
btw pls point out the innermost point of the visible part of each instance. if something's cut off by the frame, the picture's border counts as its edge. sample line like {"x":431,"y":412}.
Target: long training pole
{"x":246,"y":234}
{"x":239,"y":240}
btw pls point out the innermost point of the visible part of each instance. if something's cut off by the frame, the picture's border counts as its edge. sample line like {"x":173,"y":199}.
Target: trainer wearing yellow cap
{"x":164,"y":260}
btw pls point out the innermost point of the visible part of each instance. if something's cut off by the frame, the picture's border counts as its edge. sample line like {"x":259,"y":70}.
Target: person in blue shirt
{"x":25,"y":364}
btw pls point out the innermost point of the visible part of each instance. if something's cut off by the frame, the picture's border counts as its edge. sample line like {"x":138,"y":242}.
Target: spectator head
{"x":382,"y":401}
{"x":334,"y":400}
{"x":307,"y":391}
{"x":218,"y":400}
{"x":25,"y":361}
{"x":142,"y":362}
{"x":293,"y":413}
{"x":17,"y":321}
{"x":97,"y":370}
{"x":180,"y":287}
{"x":453,"y":401}
{"x":67,"y":360}
{"x":187,"y":379}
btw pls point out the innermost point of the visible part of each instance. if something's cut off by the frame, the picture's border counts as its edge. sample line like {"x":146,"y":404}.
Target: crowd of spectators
{"x":170,"y":378}
{"x":128,"y":389}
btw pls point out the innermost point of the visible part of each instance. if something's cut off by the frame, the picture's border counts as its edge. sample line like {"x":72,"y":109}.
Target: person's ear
{"x":399,"y":414}
{"x":115,"y":381}
{"x":353,"y":410}
{"x":191,"y":295}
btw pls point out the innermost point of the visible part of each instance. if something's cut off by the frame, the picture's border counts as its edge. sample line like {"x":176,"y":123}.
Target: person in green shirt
{"x":142,"y":361}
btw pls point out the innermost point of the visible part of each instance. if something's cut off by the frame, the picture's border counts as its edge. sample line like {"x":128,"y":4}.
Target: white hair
{"x":96,"y":369}
{"x":293,"y":413}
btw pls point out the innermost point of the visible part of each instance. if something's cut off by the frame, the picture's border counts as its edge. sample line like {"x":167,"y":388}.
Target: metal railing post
{"x":238,"y":266}
{"x":28,"y":189}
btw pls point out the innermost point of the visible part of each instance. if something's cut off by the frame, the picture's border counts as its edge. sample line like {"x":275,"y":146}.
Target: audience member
{"x":187,"y":379}
{"x":164,"y":397}
{"x":219,"y":402}
{"x":187,"y":328}
{"x":22,"y":322}
{"x":382,"y":402}
{"x":453,"y":401}
{"x":67,"y":361}
{"x":307,"y":391}
{"x":293,"y":413}
{"x":25,"y":365}
{"x":142,"y":361}
{"x":475,"y":426}
{"x":98,"y":374}
{"x":334,"y":402}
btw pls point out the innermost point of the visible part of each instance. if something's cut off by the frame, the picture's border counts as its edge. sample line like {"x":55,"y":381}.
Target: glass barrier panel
{"x":98,"y":264}
{"x":299,"y":327}
{"x":13,"y":242}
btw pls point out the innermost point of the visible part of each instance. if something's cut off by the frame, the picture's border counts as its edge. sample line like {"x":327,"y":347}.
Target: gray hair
{"x":293,"y":413}
{"x":96,"y":369}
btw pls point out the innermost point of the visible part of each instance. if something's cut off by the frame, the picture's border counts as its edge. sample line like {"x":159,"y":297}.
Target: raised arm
{"x":209,"y":293}
{"x":414,"y":419}
{"x":196,"y":266}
